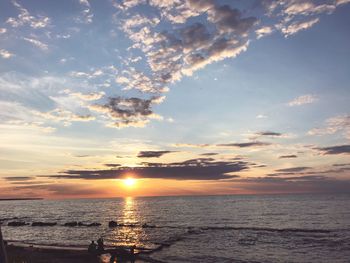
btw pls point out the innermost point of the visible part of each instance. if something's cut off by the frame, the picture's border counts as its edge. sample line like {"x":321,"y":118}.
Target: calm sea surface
{"x":278,"y":228}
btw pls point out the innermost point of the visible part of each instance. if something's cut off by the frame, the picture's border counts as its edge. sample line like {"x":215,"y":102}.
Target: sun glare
{"x":129,"y":181}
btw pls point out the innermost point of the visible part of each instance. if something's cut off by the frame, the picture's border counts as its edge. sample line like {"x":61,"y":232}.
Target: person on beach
{"x":100,"y":245}
{"x":92,"y":248}
{"x":132,"y":250}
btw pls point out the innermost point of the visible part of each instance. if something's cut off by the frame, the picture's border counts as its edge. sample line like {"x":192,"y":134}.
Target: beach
{"x":31,"y":254}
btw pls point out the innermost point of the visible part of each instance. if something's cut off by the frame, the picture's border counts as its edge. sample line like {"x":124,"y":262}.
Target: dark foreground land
{"x":18,"y":254}
{"x":37,"y":255}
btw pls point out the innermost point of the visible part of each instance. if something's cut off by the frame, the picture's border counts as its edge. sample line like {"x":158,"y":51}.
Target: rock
{"x":93,"y":224}
{"x":148,"y":226}
{"x":17,"y":223}
{"x":44,"y":224}
{"x":71,"y":224}
{"x":112,"y":224}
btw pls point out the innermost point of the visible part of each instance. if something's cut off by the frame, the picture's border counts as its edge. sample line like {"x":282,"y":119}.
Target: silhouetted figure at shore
{"x":100,"y":245}
{"x":92,"y":247}
{"x":132,"y":250}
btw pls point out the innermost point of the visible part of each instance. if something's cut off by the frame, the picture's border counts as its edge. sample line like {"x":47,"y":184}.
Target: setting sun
{"x":129,"y":182}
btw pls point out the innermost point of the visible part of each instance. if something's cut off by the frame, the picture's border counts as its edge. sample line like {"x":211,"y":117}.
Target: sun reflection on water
{"x":129,"y":232}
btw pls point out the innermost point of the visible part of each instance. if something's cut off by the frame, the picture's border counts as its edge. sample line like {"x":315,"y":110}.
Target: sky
{"x":186,"y":97}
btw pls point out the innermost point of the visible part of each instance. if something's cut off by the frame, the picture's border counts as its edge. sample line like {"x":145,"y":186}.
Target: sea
{"x":236,"y":228}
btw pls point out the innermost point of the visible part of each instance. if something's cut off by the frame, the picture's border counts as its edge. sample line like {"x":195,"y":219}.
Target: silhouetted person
{"x":92,"y":247}
{"x":100,"y":245}
{"x":132,"y":250}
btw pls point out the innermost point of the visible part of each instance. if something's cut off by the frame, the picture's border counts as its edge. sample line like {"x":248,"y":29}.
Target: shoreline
{"x":21,"y":252}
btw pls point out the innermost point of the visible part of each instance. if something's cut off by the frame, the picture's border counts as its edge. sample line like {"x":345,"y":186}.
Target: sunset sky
{"x":190,"y":97}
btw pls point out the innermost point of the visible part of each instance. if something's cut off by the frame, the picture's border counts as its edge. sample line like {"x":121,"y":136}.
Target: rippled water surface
{"x":279,"y":228}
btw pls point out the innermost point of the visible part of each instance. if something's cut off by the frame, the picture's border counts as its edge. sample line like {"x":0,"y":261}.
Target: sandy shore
{"x":19,"y":254}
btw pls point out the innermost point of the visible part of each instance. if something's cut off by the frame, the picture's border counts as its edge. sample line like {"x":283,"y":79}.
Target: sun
{"x":129,"y":181}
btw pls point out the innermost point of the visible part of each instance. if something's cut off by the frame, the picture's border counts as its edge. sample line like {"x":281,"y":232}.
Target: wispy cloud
{"x":86,"y":16}
{"x":37,"y":43}
{"x":245,"y":144}
{"x":333,"y":125}
{"x":152,"y":154}
{"x":5,"y":54}
{"x":298,"y":26}
{"x":25,"y":18}
{"x":290,"y":156}
{"x":86,"y":96}
{"x":302,"y":100}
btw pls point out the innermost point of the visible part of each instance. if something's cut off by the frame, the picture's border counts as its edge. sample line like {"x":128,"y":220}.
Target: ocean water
{"x":268,"y":228}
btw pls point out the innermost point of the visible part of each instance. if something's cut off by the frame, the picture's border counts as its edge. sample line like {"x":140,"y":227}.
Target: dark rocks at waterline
{"x":74,"y":224}
{"x":148,"y":226}
{"x":3,"y":220}
{"x":93,"y":224}
{"x":113,"y":224}
{"x":89,"y":225}
{"x":17,"y":223}
{"x":71,"y":224}
{"x":44,"y":224}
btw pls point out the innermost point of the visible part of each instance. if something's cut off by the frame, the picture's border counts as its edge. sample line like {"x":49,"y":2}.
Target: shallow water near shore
{"x":271,"y":228}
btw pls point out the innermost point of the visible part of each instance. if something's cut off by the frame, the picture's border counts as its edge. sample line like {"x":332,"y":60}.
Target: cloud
{"x":288,"y":156}
{"x":34,"y":125}
{"x":190,"y":145}
{"x":37,"y":43}
{"x":264,"y":31}
{"x":5,"y":54}
{"x":194,"y":169}
{"x":201,"y":33}
{"x":298,"y":26}
{"x":127,"y":111}
{"x":230,"y":20}
{"x":269,"y":133}
{"x":209,"y":154}
{"x":293,"y":169}
{"x":338,"y":149}
{"x":180,"y":52}
{"x":341,"y":2}
{"x":62,"y":115}
{"x":3,"y":30}
{"x":88,"y":96}
{"x":261,"y":116}
{"x":112,"y":165}
{"x":341,"y":164}
{"x":85,"y":17}
{"x":298,"y":15}
{"x":245,"y":144}
{"x":334,"y":125}
{"x":302,"y":100}
{"x":25,"y":18}
{"x":151,"y":154}
{"x":19,"y":178}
